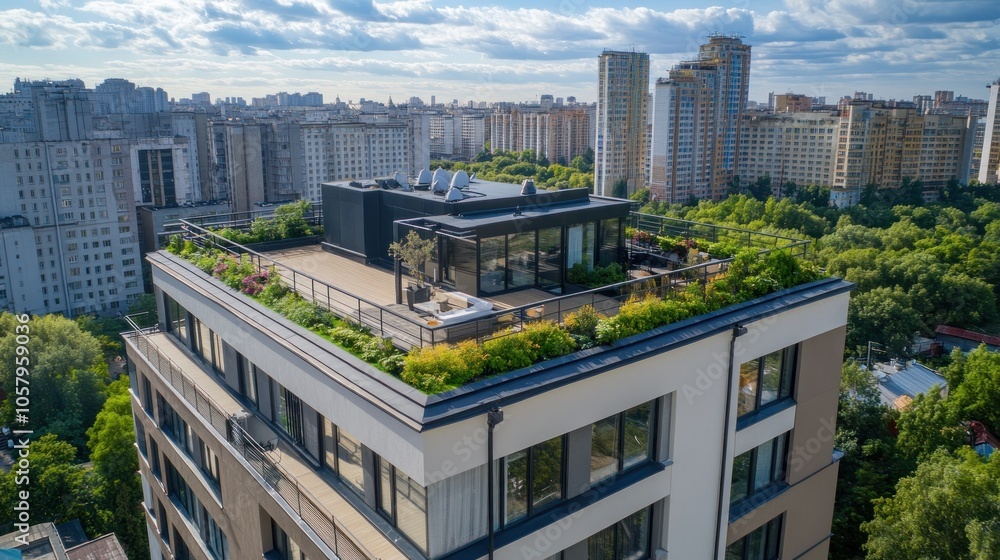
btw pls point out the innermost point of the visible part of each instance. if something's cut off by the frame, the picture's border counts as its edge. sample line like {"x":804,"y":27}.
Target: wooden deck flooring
{"x":372,"y":283}
{"x":377,"y":543}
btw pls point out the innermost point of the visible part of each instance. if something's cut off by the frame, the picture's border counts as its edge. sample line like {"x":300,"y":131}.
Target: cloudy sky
{"x":488,"y":50}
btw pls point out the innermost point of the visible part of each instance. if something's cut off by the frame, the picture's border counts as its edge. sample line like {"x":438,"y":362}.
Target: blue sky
{"x":482,"y":50}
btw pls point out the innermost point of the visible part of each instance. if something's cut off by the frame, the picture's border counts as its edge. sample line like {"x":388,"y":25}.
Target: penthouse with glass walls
{"x":266,"y":431}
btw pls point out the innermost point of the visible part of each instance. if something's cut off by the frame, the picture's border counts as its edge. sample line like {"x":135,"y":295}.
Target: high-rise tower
{"x":620,"y":148}
{"x":697,"y":120}
{"x":990,"y":160}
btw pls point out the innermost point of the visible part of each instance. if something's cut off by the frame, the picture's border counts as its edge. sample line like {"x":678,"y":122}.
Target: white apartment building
{"x":70,"y":243}
{"x":789,"y":147}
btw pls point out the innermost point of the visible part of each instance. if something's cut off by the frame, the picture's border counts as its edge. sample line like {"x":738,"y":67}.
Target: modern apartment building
{"x":560,"y":133}
{"x":792,"y":103}
{"x":459,"y":135}
{"x":620,"y":148}
{"x":989,"y":161}
{"x":697,"y":120}
{"x":881,"y":146}
{"x":707,"y":438}
{"x":789,"y":147}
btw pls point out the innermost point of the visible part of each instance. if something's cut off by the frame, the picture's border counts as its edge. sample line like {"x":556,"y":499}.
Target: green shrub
{"x":638,"y":316}
{"x":723,"y":249}
{"x":302,"y":312}
{"x":370,"y":348}
{"x":509,"y":351}
{"x":600,"y":276}
{"x":434,"y":369}
{"x":548,"y":339}
{"x":582,"y":322}
{"x":274,"y":291}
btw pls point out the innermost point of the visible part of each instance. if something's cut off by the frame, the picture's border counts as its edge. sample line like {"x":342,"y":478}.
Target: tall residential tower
{"x":620,"y":148}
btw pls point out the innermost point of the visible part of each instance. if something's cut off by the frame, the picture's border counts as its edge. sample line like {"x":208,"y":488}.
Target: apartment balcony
{"x":274,"y":463}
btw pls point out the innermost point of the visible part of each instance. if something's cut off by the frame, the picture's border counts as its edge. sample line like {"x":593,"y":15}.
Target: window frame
{"x":531,"y":510}
{"x":786,"y":382}
{"x":773,"y":529}
{"x":619,"y":452}
{"x":778,"y":467}
{"x":393,"y":516}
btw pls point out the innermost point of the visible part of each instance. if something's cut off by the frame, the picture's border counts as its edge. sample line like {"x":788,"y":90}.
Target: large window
{"x":533,"y":479}
{"x":626,"y":540}
{"x":176,"y":319}
{"x":246,"y":372}
{"x":759,"y":469}
{"x":210,"y":464}
{"x":215,"y":539}
{"x":208,"y":345}
{"x":288,"y":413}
{"x":403,"y":502}
{"x":622,"y":441}
{"x":766,"y":380}
{"x":288,"y":548}
{"x":580,"y":245}
{"x":610,"y":241}
{"x":342,"y":456}
{"x":178,"y":489}
{"x":175,"y":427}
{"x":762,"y":544}
{"x":140,"y":436}
{"x":492,"y":264}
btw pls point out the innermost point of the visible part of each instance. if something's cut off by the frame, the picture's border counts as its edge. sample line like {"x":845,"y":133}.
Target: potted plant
{"x":414,"y":252}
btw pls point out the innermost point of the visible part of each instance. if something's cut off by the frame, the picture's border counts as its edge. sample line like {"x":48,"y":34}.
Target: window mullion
{"x":620,"y":444}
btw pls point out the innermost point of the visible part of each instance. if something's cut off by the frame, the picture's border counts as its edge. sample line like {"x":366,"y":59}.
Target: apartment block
{"x":697,"y":120}
{"x":68,"y":210}
{"x":882,"y":146}
{"x":789,"y":147}
{"x":622,"y":115}
{"x":560,"y":133}
{"x":709,"y":437}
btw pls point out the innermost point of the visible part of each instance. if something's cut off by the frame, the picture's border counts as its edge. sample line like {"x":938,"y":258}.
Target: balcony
{"x":348,"y":533}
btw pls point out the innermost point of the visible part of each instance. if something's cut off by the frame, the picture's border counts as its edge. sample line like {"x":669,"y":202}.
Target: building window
{"x":622,"y":441}
{"x":759,"y":469}
{"x":210,"y":464}
{"x":178,"y":488}
{"x":140,"y":436}
{"x":403,"y":502}
{"x":154,"y":458}
{"x":763,"y":543}
{"x":174,"y":426}
{"x":532,"y":479}
{"x":626,"y":540}
{"x":246,"y":372}
{"x":288,"y":413}
{"x":177,"y":319}
{"x":285,"y":546}
{"x":342,"y":455}
{"x":215,"y":540}
{"x":766,"y":380}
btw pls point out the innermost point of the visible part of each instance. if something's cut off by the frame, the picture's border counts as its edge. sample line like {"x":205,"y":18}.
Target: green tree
{"x":67,"y":376}
{"x":883,"y":315}
{"x":119,"y":489}
{"x":290,"y":219}
{"x":928,"y":424}
{"x":977,"y":395}
{"x":871,"y":463}
{"x":934,"y":511}
{"x":60,"y":490}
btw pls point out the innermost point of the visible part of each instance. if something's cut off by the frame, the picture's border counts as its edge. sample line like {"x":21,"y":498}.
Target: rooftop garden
{"x":441,"y":367}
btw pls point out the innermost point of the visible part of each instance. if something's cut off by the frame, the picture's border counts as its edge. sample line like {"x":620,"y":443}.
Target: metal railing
{"x":299,"y":499}
{"x":408,"y":330}
{"x":713,"y":233}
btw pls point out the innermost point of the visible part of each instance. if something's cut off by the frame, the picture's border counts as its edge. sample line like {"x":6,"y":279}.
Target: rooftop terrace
{"x":368,"y":295}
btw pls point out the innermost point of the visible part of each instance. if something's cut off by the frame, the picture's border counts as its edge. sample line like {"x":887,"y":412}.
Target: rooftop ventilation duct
{"x":528,"y":187}
{"x":460,"y":180}
{"x":440,"y":186}
{"x":424,"y":178}
{"x":402,"y":180}
{"x":454,"y":194}
{"x":441,"y":175}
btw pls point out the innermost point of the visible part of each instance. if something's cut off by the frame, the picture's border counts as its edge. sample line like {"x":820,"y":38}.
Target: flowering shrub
{"x":254,"y":284}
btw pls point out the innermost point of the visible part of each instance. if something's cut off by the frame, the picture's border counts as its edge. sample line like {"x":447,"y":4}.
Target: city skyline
{"x":480,"y":51}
